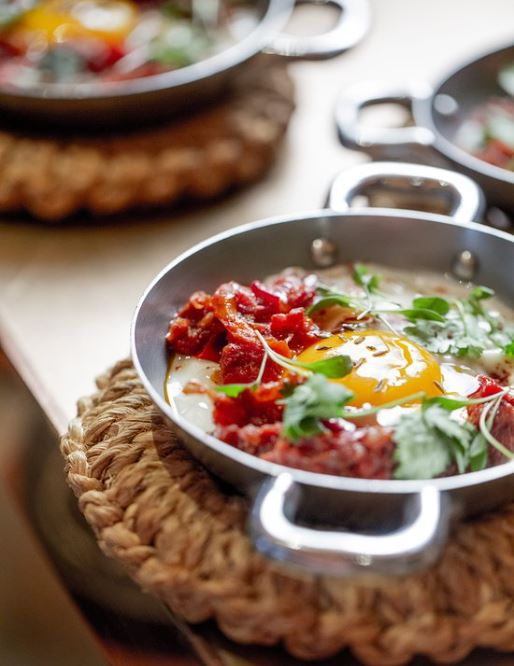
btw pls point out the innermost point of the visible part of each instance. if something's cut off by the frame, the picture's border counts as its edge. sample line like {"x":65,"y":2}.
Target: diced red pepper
{"x":222,"y":327}
{"x":503,"y":425}
{"x":298,"y":330}
{"x":250,"y":407}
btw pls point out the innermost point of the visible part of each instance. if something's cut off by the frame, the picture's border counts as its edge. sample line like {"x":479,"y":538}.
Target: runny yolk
{"x":61,"y":20}
{"x":386,"y":366}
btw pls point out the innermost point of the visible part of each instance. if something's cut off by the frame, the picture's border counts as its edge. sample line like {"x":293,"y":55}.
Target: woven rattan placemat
{"x":200,"y":156}
{"x":181,"y":536}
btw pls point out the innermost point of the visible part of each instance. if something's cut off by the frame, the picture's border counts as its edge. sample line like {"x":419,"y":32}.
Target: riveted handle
{"x":413,"y":546}
{"x":468,"y":201}
{"x":352,"y":25}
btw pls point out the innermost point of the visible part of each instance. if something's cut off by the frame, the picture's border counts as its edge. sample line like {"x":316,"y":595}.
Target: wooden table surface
{"x":67,"y":293}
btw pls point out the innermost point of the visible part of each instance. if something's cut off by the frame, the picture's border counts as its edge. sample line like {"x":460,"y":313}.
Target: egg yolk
{"x":386,"y":366}
{"x":57,"y":21}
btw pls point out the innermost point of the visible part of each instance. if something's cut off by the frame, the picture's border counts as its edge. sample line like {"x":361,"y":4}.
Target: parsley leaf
{"x":310,"y":403}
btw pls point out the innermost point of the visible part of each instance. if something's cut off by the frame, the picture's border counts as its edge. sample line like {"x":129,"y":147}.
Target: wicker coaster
{"x":182,"y":537}
{"x":219,"y":147}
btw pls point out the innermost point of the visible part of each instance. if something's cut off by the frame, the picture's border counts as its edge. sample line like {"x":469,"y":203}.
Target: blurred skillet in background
{"x":467,"y":118}
{"x":152,"y":94}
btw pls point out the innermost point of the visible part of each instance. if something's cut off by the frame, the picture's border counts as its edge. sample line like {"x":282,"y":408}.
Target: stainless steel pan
{"x":160,"y":95}
{"x":408,"y":519}
{"x":438,"y":113}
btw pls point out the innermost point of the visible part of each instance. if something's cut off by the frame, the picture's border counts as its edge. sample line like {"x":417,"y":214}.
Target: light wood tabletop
{"x":67,"y":292}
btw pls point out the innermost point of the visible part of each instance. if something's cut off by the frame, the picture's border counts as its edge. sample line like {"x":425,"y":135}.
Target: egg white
{"x":195,"y":407}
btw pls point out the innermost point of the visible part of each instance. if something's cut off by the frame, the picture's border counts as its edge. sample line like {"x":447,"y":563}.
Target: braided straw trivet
{"x":182,"y":537}
{"x":222,"y":146}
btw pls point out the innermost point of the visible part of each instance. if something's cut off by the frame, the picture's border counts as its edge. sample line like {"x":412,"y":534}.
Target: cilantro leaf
{"x":310,"y":403}
{"x":481,"y":293}
{"x":413,"y":314}
{"x":233,"y":390}
{"x":445,"y":402}
{"x":333,"y":368}
{"x":428,"y":441}
{"x":331,"y":298}
{"x":362,"y":277}
{"x":434,"y":303}
{"x":509,"y":349}
{"x":179,"y":43}
{"x":473,"y":301}
{"x":420,"y":452}
{"x":478,"y":453}
{"x":466,"y":328}
{"x":460,"y":337}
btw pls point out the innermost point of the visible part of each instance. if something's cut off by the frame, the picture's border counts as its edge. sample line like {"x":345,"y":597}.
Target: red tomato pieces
{"x":222,"y":327}
{"x":503,"y":426}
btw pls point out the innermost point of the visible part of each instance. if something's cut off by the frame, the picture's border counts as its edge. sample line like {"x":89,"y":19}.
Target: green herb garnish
{"x":368,"y":281}
{"x":430,"y":308}
{"x":467,"y":327}
{"x":179,"y":43}
{"x":432,"y":303}
{"x":333,"y":368}
{"x":329,"y":298}
{"x":233,"y":390}
{"x":310,"y":403}
{"x":429,"y":440}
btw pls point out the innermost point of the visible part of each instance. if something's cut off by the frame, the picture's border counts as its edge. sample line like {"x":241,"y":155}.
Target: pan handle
{"x":468,"y":199}
{"x":351,"y":27}
{"x":355,"y":98}
{"x":413,"y":546}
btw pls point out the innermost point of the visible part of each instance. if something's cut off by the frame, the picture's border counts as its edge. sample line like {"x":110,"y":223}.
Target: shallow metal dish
{"x":411,"y":516}
{"x":161,"y":95}
{"x":438,"y":113}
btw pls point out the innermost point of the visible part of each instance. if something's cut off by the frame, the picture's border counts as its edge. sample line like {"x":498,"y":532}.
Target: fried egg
{"x":387,"y":365}
{"x":56,"y":21}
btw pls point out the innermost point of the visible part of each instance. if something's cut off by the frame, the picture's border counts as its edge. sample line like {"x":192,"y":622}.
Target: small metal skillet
{"x":102,"y":104}
{"x":412,"y":516}
{"x":438,"y":114}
